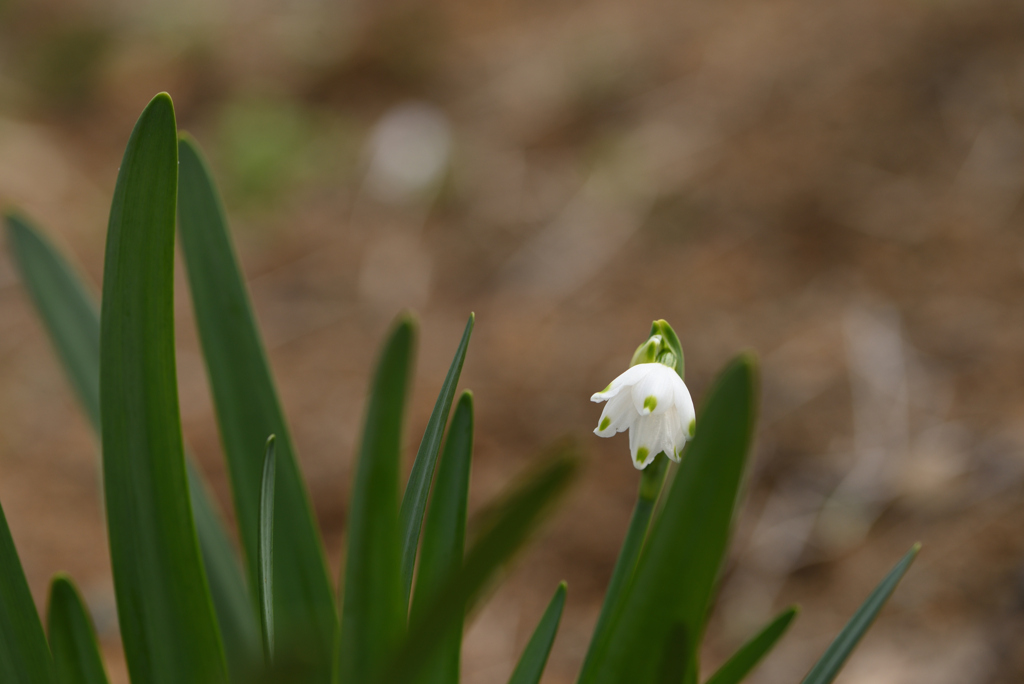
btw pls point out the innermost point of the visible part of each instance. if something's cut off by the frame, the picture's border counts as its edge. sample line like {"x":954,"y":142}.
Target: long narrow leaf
{"x":831,"y":662}
{"x":415,"y":499}
{"x":652,"y":479}
{"x":506,"y":530}
{"x":444,"y":536}
{"x":167,"y":623}
{"x":24,"y":655}
{"x":228,"y":588}
{"x":76,"y":655}
{"x":72,"y":321}
{"x":65,"y":306}
{"x":750,"y":654}
{"x":265,"y":547}
{"x":535,"y":656}
{"x":247,"y":411}
{"x":373,"y":612}
{"x":666,"y":607}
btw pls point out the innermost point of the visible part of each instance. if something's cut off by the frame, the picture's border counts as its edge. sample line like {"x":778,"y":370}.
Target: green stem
{"x":651,"y":480}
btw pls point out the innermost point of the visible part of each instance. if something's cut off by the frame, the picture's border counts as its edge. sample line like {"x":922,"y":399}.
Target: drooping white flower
{"x":652,"y":402}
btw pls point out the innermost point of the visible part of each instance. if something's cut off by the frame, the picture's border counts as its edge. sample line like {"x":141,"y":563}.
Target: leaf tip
{"x":10,"y":215}
{"x":748,"y":361}
{"x":62,"y":588}
{"x":163,"y":98}
{"x":59,"y":579}
{"x":406,"y":323}
{"x":187,"y":143}
{"x":160,"y":107}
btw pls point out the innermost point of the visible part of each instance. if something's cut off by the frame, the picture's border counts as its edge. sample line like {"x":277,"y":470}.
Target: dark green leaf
{"x":651,"y":481}
{"x":373,"y":610}
{"x":672,"y":586}
{"x":535,"y":656}
{"x":166,"y":616}
{"x":415,"y":499}
{"x":826,"y":669}
{"x":750,"y":654}
{"x":505,"y":530}
{"x":265,"y":548}
{"x":247,"y":411}
{"x":228,"y":589}
{"x":65,"y":306}
{"x":76,"y":655}
{"x":24,"y":655}
{"x":444,"y":536}
{"x":73,"y":323}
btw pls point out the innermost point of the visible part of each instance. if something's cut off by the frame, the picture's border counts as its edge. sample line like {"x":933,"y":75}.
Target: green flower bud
{"x":662,"y":346}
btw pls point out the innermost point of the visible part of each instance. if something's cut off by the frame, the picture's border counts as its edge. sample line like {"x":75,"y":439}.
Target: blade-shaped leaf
{"x":24,"y":655}
{"x":444,"y":536}
{"x":535,"y":656}
{"x":675,"y":576}
{"x":415,"y":499}
{"x":265,"y":547}
{"x":76,"y":654}
{"x":750,"y":654}
{"x":228,"y":588}
{"x":651,"y":483}
{"x":831,"y":662}
{"x":166,"y":616}
{"x":373,"y":613}
{"x":73,"y":322}
{"x":66,"y":307}
{"x":506,"y":528}
{"x":247,"y":411}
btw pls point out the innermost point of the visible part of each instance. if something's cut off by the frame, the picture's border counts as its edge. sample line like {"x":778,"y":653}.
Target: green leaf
{"x":826,"y":669}
{"x":228,"y":589}
{"x":76,"y":655}
{"x":247,"y":411}
{"x":505,"y":529}
{"x":666,"y":607}
{"x":651,"y":481}
{"x":415,"y":499}
{"x":444,"y":537}
{"x":750,"y":654}
{"x":265,"y":548}
{"x":373,"y":612}
{"x":166,"y":616}
{"x":66,"y":307}
{"x":73,"y":322}
{"x":535,"y":656}
{"x":24,"y":655}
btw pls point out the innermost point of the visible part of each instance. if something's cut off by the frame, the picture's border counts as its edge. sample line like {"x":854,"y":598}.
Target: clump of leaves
{"x":190,"y":610}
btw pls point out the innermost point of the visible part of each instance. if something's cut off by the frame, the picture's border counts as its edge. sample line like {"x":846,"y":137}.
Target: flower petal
{"x":624,"y":380}
{"x":684,"y":408}
{"x":618,"y":415}
{"x":674,"y":437}
{"x":656,"y":391}
{"x":645,"y":439}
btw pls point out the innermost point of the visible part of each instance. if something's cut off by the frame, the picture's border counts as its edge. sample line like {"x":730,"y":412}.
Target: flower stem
{"x":651,"y":480}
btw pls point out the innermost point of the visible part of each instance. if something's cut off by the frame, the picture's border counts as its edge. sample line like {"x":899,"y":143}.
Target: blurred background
{"x":834,"y":185}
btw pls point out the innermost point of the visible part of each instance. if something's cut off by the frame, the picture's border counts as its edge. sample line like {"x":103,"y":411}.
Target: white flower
{"x":652,"y":402}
